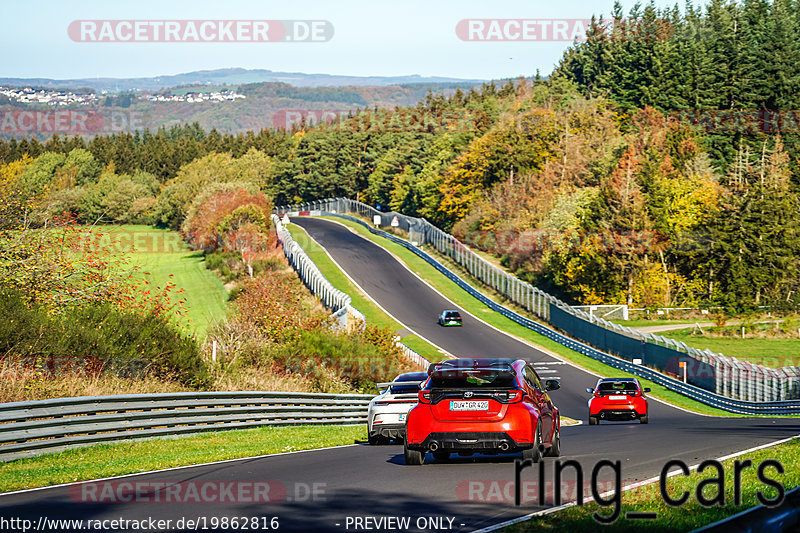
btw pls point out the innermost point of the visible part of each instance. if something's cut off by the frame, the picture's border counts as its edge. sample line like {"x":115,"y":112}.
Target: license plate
{"x":469,"y":406}
{"x":617,"y":397}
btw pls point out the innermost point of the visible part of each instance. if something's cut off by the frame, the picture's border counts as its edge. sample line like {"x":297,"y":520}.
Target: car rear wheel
{"x":534,"y":454}
{"x":593,"y":420}
{"x":441,"y":456}
{"x":555,"y":448}
{"x":644,"y":419}
{"x":375,"y":440}
{"x":413,"y":457}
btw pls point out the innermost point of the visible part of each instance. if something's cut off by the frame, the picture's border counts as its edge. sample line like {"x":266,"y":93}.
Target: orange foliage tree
{"x":231,"y":218}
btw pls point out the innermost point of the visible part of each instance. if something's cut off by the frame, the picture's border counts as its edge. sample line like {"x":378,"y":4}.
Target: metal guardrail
{"x":785,"y":407}
{"x":31,"y":428}
{"x":732,"y":378}
{"x":331,"y":297}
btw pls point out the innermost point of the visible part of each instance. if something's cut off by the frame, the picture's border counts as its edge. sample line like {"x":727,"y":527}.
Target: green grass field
{"x":166,"y":258}
{"x":772,"y":353}
{"x":104,"y":460}
{"x":644,"y":322}
{"x":468,"y":303}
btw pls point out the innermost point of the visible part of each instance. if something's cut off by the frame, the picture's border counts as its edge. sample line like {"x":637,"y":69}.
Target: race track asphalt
{"x":360,"y":481}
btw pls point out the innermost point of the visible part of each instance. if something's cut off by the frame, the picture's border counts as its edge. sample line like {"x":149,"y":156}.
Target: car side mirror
{"x":647,"y":389}
{"x":589,"y":390}
{"x":552,"y":384}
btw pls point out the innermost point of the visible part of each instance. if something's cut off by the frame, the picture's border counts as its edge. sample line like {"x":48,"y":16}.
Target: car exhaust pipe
{"x":434,"y":446}
{"x":504,"y":446}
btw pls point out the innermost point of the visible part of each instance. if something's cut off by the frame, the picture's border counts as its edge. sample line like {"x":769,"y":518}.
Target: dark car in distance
{"x":449,"y":318}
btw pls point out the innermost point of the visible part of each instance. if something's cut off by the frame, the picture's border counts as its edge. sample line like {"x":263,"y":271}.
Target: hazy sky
{"x":371,"y":38}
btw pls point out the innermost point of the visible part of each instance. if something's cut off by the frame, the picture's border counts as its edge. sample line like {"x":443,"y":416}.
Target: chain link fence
{"x":714,"y":372}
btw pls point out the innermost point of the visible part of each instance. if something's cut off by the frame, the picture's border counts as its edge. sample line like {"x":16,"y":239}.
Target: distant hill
{"x":259,"y":105}
{"x":233,"y":76}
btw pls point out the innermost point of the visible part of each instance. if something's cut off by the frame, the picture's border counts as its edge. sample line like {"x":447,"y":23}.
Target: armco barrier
{"x":732,"y":378}
{"x":780,"y":407}
{"x":331,"y":297}
{"x":28,"y":428}
{"x":661,"y":358}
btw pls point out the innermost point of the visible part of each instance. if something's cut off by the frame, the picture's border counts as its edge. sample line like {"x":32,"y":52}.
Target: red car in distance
{"x":488,"y":406}
{"x":618,"y":399}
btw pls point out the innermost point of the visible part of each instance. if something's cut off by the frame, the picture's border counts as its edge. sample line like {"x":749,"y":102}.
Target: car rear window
{"x":452,"y":314}
{"x":617,"y":386}
{"x":472,"y":378}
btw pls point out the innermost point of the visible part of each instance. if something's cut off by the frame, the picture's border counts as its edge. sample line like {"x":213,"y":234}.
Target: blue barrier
{"x":785,"y":407}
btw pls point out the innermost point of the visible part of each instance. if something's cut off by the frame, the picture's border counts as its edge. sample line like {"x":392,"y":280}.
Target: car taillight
{"x":512,"y":396}
{"x":515,"y":396}
{"x":424,"y":396}
{"x":597,"y":394}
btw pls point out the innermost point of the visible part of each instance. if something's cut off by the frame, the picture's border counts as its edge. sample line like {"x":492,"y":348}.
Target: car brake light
{"x":515,"y":396}
{"x":512,"y":396}
{"x":597,"y":394}
{"x":424,"y":396}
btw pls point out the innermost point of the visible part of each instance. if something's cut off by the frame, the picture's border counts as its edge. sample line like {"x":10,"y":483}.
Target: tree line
{"x":590,"y":183}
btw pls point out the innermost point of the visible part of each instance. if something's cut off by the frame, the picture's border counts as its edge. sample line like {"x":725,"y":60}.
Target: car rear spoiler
{"x":383,"y":386}
{"x":448,"y":368}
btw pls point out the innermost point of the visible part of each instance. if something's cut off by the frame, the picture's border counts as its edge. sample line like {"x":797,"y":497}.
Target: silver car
{"x":386,"y":418}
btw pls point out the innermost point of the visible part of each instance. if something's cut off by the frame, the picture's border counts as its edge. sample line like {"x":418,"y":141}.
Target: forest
{"x":657,"y":165}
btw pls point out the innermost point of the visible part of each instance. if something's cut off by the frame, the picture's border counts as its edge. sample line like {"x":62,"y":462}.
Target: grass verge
{"x":105,"y":460}
{"x":770,"y":352}
{"x":374,"y":314}
{"x":468,"y":303}
{"x":644,"y":322}
{"x":689,"y":516}
{"x":167,"y":259}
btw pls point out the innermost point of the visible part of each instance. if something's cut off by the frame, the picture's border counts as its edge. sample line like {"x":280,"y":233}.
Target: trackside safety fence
{"x":335,"y":300}
{"x":31,"y":428}
{"x":716,"y":380}
{"x":332,"y":298}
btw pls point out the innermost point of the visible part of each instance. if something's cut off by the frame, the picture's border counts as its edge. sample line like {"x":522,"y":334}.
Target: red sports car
{"x":489,"y":406}
{"x":617,"y":399}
